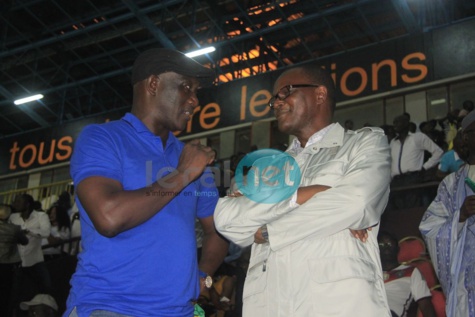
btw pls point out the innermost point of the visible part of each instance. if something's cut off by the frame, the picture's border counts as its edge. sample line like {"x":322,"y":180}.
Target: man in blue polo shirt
{"x":139,"y":191}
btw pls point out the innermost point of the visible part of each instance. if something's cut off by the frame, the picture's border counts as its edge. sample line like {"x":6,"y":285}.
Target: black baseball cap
{"x":161,"y":60}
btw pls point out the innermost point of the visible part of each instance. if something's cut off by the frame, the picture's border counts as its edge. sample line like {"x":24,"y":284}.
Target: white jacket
{"x":312,"y":265}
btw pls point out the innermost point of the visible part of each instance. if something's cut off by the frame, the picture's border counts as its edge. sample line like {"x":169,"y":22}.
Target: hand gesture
{"x":194,"y":159}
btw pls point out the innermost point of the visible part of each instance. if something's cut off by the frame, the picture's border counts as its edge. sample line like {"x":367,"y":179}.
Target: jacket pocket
{"x":256,"y":280}
{"x":341,"y":268}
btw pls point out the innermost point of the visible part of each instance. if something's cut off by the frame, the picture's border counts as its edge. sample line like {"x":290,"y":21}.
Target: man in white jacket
{"x":305,"y":262}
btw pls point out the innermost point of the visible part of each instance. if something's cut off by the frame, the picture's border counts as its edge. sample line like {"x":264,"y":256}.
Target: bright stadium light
{"x":28,"y":99}
{"x":201,"y":51}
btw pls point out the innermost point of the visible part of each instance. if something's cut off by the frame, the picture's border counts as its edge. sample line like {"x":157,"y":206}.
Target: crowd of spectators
{"x":425,"y":156}
{"x":29,"y":238}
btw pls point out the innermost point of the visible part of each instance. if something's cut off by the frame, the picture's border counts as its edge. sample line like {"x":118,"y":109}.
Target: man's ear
{"x":321,"y":94}
{"x":152,"y":84}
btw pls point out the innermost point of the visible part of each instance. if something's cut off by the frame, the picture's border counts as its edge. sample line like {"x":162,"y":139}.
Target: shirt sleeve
{"x":419,"y":288}
{"x":439,"y":227}
{"x":356,"y":202}
{"x":444,"y":162}
{"x":427,"y":144}
{"x":95,"y":154}
{"x":238,"y":218}
{"x":44,"y":228}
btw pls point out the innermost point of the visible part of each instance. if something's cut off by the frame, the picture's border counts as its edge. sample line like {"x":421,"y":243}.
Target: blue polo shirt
{"x":149,"y":270}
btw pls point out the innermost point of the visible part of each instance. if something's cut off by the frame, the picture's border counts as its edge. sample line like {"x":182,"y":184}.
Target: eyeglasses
{"x":385,"y":244}
{"x":285,"y":91}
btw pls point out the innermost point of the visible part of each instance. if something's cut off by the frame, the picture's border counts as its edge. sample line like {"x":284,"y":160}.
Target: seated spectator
{"x":403,"y":283}
{"x":452,"y":159}
{"x":220,"y":297}
{"x":10,"y":236}
{"x":222,"y":292}
{"x":42,"y":305}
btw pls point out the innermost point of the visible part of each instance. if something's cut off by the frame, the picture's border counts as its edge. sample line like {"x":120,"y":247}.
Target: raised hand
{"x":194,"y":159}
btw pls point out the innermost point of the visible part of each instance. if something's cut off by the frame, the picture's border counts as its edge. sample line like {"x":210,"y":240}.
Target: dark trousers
{"x":33,"y":280}
{"x":9,"y":292}
{"x":402,"y":195}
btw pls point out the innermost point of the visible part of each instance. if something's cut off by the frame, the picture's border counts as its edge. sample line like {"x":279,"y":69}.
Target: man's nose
{"x":278,"y":103}
{"x":194,"y":102}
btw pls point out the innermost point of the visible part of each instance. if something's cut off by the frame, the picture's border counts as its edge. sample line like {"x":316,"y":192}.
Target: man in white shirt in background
{"x":408,"y":166}
{"x":37,"y":226}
